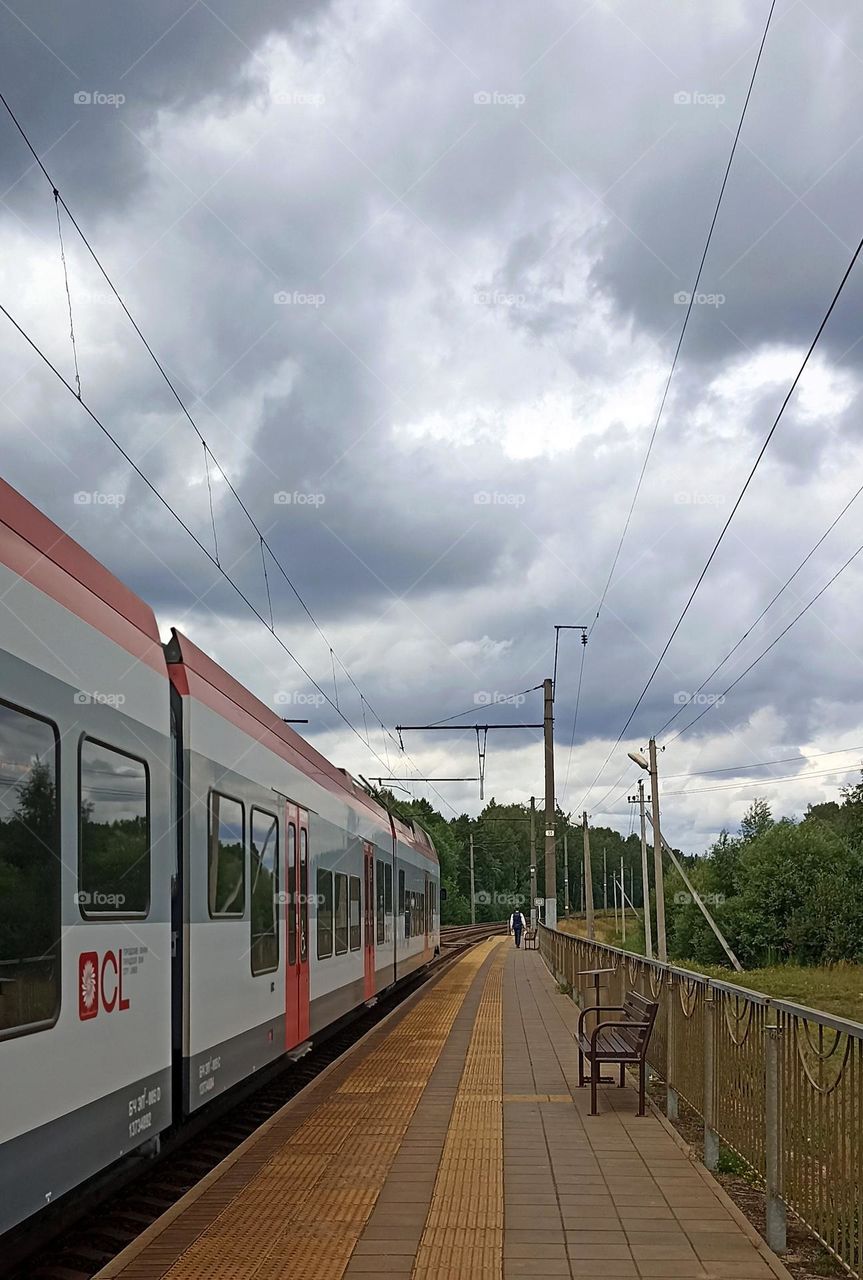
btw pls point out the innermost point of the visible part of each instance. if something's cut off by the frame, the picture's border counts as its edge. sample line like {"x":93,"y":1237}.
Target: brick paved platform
{"x":455,"y":1144}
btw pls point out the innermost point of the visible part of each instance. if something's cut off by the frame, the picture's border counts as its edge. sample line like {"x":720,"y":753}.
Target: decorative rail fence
{"x":780,"y":1084}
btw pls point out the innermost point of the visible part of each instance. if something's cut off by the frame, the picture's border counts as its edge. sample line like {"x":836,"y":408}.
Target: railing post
{"x":711,"y":1139}
{"x":776,"y":1224}
{"x":671,"y":1107}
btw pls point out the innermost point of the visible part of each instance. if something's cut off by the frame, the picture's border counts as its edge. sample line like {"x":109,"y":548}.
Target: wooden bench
{"x":531,"y":939}
{"x":620,"y":1042}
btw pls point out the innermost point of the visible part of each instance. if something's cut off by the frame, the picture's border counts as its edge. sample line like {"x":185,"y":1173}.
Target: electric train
{"x":188,"y":889}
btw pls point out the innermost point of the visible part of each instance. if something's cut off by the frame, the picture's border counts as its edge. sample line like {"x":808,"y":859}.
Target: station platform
{"x":453,"y":1142}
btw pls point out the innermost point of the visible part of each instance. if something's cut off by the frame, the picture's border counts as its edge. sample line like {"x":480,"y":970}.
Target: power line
{"x":59,"y":200}
{"x":766,"y":609}
{"x":727,"y":524}
{"x":478,"y":706}
{"x":690,"y":304}
{"x":775,"y":641}
{"x":760,"y":764}
{"x":186,"y":528}
{"x":765,"y":782}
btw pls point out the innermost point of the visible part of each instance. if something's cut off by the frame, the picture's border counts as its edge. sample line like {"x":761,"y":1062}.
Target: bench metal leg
{"x":622,"y":1080}
{"x":580,"y":1069}
{"x":594,"y":1081}
{"x":641,"y":1074}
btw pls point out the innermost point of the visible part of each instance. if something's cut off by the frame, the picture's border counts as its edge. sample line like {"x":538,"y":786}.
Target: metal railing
{"x":780,"y":1084}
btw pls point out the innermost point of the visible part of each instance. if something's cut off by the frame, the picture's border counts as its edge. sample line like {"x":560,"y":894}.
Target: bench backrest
{"x":637,"y":1008}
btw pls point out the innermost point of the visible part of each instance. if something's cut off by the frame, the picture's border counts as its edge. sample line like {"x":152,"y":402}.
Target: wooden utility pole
{"x":645,"y":877}
{"x":550,"y":849}
{"x":588,"y":879}
{"x":604,"y":880}
{"x":533,"y":862}
{"x":662,"y":947}
{"x":622,"y":900}
{"x":472,"y":889}
{"x":565,"y":877}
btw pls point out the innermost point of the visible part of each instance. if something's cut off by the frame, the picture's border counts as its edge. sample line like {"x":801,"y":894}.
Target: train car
{"x":86,"y":859}
{"x":188,"y":889}
{"x":288,"y":871}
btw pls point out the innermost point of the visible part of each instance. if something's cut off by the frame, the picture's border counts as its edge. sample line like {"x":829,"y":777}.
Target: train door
{"x":369,"y":915}
{"x":427,"y":910}
{"x":296,"y":926}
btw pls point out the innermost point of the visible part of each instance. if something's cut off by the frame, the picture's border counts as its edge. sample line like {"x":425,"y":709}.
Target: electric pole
{"x":657,"y":855}
{"x":588,"y":879}
{"x":623,"y":900}
{"x":645,"y":879}
{"x":565,"y":877}
{"x":604,"y":881}
{"x":533,"y":862}
{"x":472,"y":890}
{"x":550,"y":850}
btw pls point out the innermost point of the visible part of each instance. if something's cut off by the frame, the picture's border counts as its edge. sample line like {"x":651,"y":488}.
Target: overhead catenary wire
{"x":690,"y":303}
{"x":68,"y":292}
{"x":198,"y":543}
{"x":60,"y":201}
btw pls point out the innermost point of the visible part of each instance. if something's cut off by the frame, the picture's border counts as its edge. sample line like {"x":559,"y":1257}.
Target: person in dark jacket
{"x":517,"y":925}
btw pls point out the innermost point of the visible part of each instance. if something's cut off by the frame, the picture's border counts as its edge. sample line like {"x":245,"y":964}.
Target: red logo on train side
{"x":100,"y":981}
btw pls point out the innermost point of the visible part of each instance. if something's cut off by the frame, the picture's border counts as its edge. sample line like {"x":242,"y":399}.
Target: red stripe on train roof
{"x":38,"y":550}
{"x":198,"y":676}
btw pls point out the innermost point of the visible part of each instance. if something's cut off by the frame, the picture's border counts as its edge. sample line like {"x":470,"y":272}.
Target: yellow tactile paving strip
{"x":303,"y":1213}
{"x":463,"y":1234}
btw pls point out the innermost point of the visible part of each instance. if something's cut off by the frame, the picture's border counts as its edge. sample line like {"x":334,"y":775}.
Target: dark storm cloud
{"x":60,"y":59}
{"x":472,"y":396}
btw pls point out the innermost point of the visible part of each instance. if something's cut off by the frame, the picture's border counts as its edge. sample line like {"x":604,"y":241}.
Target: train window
{"x":304,"y":895}
{"x":401,"y":893}
{"x":264,"y":891}
{"x":341,"y":913}
{"x":325,"y":914}
{"x":381,"y":899}
{"x":227,"y":862}
{"x":356,"y":939}
{"x":292,"y":894}
{"x":114,"y":844}
{"x":388,"y":889}
{"x":30,"y":870}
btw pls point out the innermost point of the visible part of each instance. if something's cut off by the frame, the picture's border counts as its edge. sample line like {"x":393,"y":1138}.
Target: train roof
{"x":204,"y":679}
{"x":43,"y":555}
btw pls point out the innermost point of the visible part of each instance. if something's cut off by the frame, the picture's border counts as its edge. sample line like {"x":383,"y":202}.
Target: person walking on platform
{"x":517,"y":925}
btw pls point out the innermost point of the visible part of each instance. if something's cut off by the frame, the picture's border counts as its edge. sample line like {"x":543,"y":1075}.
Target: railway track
{"x":81,"y":1238}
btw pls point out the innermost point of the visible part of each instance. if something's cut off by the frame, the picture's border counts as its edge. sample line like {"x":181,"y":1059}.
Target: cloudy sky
{"x":415,"y":270}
